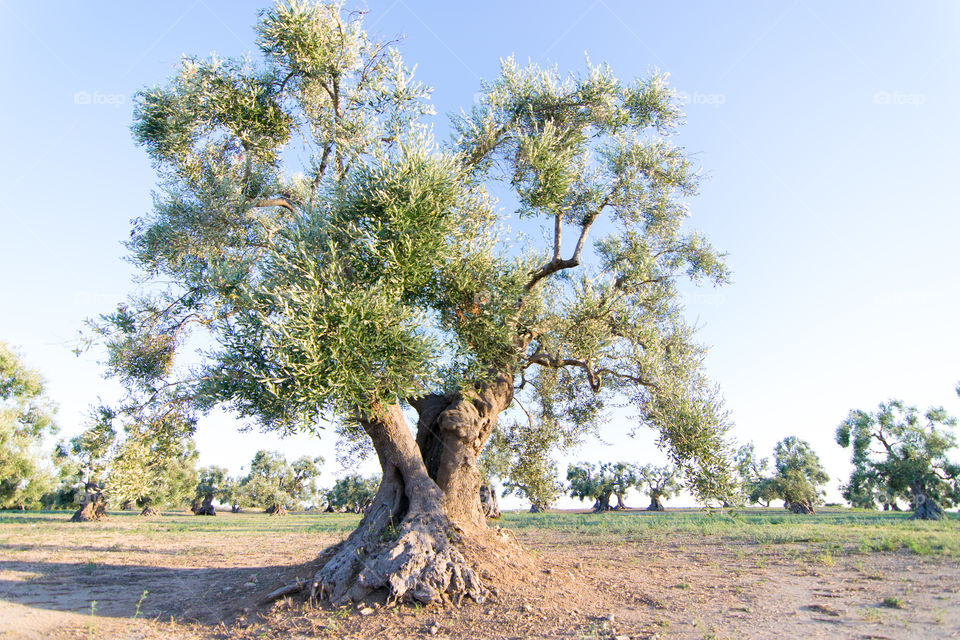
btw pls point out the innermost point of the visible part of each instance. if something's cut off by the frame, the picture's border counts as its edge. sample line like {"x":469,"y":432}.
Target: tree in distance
{"x":370,"y":272}
{"x":662,"y":483}
{"x":26,"y":416}
{"x":519,"y":455}
{"x":797,"y":479}
{"x":211,"y":482}
{"x":610,"y":479}
{"x":276,"y":486}
{"x":751,"y":474}
{"x":352,"y":493}
{"x":899,"y":451}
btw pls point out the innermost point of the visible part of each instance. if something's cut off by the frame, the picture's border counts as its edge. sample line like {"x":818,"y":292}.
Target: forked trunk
{"x":926,"y":508}
{"x":538,"y":506}
{"x":93,"y":506}
{"x":602,"y":503}
{"x":800,"y":506}
{"x":424,"y":537}
{"x":655,"y":503}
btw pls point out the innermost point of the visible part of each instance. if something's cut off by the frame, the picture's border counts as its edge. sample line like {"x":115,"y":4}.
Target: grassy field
{"x":744,"y":573}
{"x":846,"y":530}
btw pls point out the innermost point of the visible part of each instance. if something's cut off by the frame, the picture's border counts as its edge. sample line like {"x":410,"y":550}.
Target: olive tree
{"x":798,"y":477}
{"x":661,"y":484}
{"x":26,"y":416}
{"x":352,"y":493}
{"x":367,"y":276}
{"x":899,"y":451}
{"x":601,"y":483}
{"x":520,"y":456}
{"x":751,"y":471}
{"x":275,"y":485}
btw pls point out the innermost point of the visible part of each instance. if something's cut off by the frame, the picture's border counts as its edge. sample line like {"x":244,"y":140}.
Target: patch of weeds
{"x":825,"y":558}
{"x":919,"y":548}
{"x":143,"y":596}
{"x":894,"y":603}
{"x":683,"y":584}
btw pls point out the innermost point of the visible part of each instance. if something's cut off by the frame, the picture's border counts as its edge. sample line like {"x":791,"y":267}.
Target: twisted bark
{"x":426,"y":518}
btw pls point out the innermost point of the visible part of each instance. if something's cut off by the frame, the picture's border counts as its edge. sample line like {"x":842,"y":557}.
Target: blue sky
{"x":827,"y":133}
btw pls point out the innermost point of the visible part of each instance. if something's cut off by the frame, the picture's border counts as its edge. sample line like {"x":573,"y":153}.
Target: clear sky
{"x":827,"y":132}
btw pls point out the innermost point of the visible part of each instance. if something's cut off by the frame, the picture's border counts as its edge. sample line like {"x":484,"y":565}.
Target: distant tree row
{"x":601,"y":483}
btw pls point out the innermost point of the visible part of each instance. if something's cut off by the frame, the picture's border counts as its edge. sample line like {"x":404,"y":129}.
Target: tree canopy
{"x":661,"y":483}
{"x":322,"y":258}
{"x":797,"y":479}
{"x":26,"y":416}
{"x":899,"y":451}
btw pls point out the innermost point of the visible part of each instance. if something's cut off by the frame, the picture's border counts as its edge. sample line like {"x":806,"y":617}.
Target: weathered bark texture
{"x":150,"y":512}
{"x":204,"y":508}
{"x":424,"y":537}
{"x":488,"y":501}
{"x":800,"y":506}
{"x":926,"y":509}
{"x":538,"y":506}
{"x":276,"y":510}
{"x":655,"y":504}
{"x":93,"y":506}
{"x":602,"y":503}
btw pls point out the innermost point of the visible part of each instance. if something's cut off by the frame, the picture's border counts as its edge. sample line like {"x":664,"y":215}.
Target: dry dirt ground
{"x":164,"y":579}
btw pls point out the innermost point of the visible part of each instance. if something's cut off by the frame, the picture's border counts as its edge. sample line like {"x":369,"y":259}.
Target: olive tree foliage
{"x":587,"y":480}
{"x":335,"y":263}
{"x":352,"y":493}
{"x":751,"y":473}
{"x":26,"y":416}
{"x":798,"y":477}
{"x":899,"y":451}
{"x":373,"y":271}
{"x":660,"y":483}
{"x":276,"y":485}
{"x":520,"y":456}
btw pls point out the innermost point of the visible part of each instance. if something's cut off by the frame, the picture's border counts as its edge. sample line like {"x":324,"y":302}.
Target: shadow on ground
{"x":126,"y":591}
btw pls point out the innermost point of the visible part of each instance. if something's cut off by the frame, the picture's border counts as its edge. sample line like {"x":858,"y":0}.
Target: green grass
{"x":833,"y":531}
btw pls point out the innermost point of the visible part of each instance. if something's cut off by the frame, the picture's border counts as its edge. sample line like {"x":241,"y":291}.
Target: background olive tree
{"x":899,"y":451}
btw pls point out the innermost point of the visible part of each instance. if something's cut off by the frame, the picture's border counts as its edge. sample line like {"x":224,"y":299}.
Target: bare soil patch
{"x":166,"y":578}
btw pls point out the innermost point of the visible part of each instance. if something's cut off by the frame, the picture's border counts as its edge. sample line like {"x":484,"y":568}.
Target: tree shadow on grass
{"x":205,"y":595}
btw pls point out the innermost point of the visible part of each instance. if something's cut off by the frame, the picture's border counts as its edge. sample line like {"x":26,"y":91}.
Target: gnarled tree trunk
{"x":538,"y":506}
{"x":424,"y":537}
{"x":800,"y":506}
{"x":925,"y":507}
{"x":93,"y":506}
{"x":204,"y":508}
{"x":276,"y":510}
{"x":488,"y":501}
{"x":655,"y":503}
{"x":602,"y":503}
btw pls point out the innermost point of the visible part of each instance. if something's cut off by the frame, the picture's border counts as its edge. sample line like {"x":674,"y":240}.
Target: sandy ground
{"x":138,"y":582}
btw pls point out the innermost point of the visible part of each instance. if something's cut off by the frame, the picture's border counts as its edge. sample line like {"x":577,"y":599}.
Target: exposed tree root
{"x":427,"y":559}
